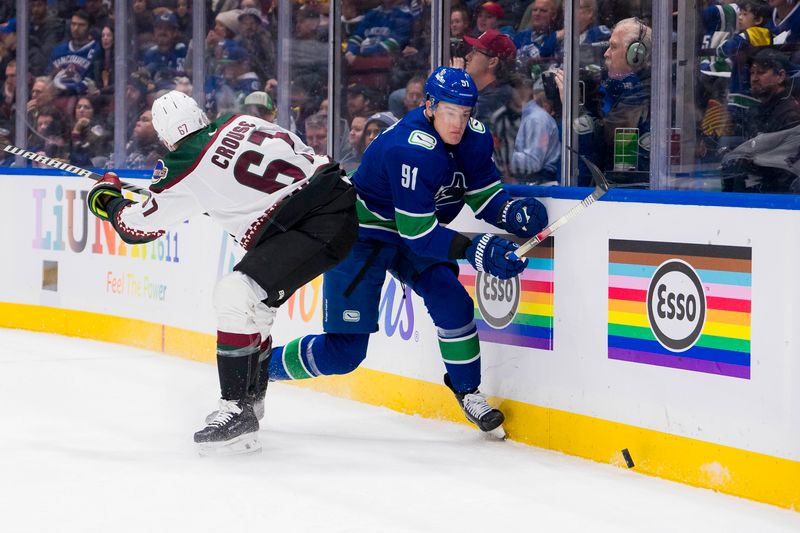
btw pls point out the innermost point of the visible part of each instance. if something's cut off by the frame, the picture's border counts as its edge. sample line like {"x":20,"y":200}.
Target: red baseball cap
{"x":494,"y":43}
{"x":492,"y":8}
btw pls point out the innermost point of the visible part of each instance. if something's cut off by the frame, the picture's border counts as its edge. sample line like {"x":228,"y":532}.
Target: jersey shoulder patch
{"x":476,"y":125}
{"x":160,"y":171}
{"x":423,"y":139}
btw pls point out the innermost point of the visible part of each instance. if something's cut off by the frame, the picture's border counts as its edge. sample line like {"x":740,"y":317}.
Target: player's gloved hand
{"x":491,"y":254}
{"x":102,"y":193}
{"x":524,"y":217}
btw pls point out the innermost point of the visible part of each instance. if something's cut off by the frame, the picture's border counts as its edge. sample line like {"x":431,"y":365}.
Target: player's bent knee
{"x":236,"y":299}
{"x":347,"y":351}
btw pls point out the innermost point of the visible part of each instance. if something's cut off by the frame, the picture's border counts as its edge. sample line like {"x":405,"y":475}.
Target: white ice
{"x":97,"y":438}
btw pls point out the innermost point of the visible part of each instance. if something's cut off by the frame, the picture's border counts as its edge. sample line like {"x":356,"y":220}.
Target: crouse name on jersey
{"x":229,"y":143}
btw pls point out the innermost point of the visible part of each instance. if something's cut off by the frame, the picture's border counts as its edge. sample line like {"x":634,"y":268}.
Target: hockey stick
{"x":601,"y":187}
{"x":54,"y":163}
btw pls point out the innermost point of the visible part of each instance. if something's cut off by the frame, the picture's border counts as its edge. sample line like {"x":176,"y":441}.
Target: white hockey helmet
{"x":176,"y":115}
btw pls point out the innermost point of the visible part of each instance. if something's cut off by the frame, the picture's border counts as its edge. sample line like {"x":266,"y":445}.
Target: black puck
{"x":627,"y":456}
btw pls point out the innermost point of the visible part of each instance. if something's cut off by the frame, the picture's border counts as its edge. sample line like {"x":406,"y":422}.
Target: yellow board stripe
{"x":730,"y":470}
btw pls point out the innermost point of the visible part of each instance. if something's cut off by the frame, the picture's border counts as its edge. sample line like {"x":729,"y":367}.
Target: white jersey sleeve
{"x":237,"y":170}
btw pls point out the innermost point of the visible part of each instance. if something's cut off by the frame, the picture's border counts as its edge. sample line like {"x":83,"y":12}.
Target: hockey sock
{"x":237,"y":360}
{"x":262,"y":375}
{"x":318,"y":355}
{"x":461,"y":353}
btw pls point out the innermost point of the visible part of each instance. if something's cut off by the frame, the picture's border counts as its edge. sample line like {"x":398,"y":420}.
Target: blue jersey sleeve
{"x":415,"y":175}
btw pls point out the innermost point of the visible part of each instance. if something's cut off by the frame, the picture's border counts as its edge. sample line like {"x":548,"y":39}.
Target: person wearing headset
{"x":624,"y":94}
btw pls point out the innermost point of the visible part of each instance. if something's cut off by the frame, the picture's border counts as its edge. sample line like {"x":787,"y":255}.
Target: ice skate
{"x":258,"y":408}
{"x":479,"y":412}
{"x":233,"y":430}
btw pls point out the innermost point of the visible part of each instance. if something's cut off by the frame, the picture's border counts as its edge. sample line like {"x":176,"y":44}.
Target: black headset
{"x":636,"y":54}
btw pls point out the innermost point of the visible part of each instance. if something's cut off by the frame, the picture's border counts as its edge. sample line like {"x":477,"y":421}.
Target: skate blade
{"x":241,"y":445}
{"x":497,"y":433}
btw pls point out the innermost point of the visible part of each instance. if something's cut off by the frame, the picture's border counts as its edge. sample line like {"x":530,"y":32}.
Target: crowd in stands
{"x":514,"y":50}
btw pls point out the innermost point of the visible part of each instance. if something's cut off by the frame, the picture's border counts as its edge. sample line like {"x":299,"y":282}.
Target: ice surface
{"x":97,"y":438}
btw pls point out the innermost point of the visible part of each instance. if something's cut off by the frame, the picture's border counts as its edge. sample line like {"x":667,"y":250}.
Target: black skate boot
{"x":478,"y":411}
{"x":233,"y":430}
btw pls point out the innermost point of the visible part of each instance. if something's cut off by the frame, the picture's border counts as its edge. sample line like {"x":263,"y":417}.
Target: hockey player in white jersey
{"x":290,"y":209}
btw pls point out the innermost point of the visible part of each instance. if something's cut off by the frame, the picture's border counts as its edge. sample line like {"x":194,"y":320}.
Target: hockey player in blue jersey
{"x":413,"y":180}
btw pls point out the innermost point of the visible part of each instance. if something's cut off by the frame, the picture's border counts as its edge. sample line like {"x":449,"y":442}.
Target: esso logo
{"x":498,"y":299}
{"x":676,"y":305}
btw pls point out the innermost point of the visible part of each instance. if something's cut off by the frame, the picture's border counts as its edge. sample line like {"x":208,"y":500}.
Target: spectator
{"x":183,"y":13}
{"x":50,"y":134}
{"x":305,"y":100}
{"x":625,"y":94}
{"x":352,"y":151}
{"x":786,"y":21}
{"x":537,"y":149}
{"x":98,"y":16}
{"x":46,"y":31}
{"x":260,"y":104}
{"x":404,"y":100}
{"x":360,"y":99}
{"x":317,"y":133}
{"x":90,"y":137}
{"x":238,"y":80}
{"x":256,"y":39}
{"x":761,"y":164}
{"x":42,"y":96}
{"x":144,"y":148}
{"x":8,"y":42}
{"x":136,"y":97}
{"x":489,"y":63}
{"x":385,"y":30}
{"x":105,"y":82}
{"x":143,"y":24}
{"x":777,"y":109}
{"x":168,"y":53}
{"x":459,"y":27}
{"x":75,"y":62}
{"x":183,"y":84}
{"x":539,"y":43}
{"x":589,"y":32}
{"x":8,"y":103}
{"x":374,"y":126}
{"x":504,"y":123}
{"x":309,"y":54}
{"x":487,"y":18}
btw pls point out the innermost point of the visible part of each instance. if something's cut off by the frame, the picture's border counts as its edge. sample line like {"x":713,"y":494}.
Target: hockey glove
{"x":524,"y":217}
{"x":102,"y":193}
{"x":489,"y":253}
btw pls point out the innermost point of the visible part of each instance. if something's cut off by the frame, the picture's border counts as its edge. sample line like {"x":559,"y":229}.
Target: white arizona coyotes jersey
{"x":237,"y":169}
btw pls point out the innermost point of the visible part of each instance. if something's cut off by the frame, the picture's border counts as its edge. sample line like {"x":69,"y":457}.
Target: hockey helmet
{"x":176,"y":115}
{"x":451,"y":85}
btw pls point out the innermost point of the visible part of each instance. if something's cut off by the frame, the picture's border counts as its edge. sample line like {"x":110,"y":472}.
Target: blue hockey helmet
{"x":451,"y":85}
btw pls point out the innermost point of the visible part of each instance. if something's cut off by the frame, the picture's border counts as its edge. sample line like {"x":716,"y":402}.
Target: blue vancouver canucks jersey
{"x":409,"y":183}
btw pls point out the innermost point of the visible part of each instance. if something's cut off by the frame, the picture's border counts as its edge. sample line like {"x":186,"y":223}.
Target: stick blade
{"x":597,"y":174}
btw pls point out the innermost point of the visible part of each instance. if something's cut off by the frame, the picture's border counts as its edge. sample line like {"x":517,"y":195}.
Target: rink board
{"x":662,"y":328}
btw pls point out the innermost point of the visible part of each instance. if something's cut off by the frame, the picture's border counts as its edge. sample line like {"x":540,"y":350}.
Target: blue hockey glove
{"x":489,"y":253}
{"x":102,"y":193}
{"x":524,"y":217}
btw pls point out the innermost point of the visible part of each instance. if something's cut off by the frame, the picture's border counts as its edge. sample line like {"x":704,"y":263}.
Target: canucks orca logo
{"x":160,"y":171}
{"x":453,"y":193}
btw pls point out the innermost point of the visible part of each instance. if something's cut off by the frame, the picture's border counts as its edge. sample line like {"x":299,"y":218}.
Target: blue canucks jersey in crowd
{"x":72,"y":67}
{"x":410,"y":182}
{"x":175,"y":59}
{"x":383,"y":31}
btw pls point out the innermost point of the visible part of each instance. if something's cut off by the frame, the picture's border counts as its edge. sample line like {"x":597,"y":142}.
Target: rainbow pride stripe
{"x":532,"y":325}
{"x":725,"y":274}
